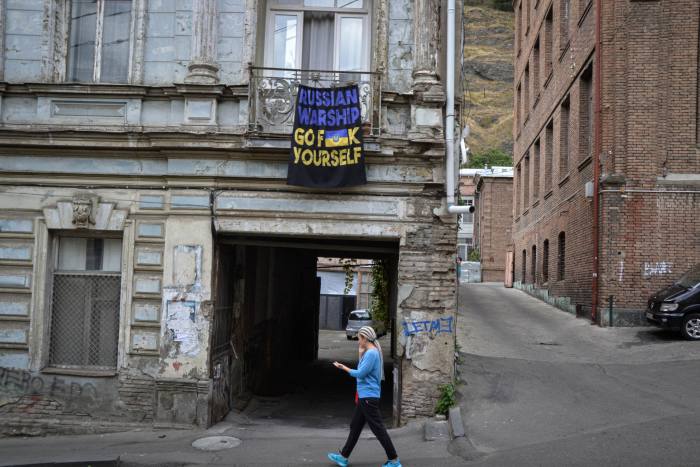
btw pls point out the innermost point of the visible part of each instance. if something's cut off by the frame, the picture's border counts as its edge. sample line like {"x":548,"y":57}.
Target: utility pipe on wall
{"x":598,"y":148}
{"x":450,"y":115}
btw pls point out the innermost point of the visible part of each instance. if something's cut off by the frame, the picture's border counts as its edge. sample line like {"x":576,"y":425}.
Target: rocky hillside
{"x":488,"y":74}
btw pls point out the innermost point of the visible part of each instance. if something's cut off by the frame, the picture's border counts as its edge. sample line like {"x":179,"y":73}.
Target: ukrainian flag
{"x":336,"y":138}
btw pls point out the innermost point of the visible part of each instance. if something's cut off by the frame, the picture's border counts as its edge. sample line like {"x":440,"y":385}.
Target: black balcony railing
{"x":273,"y":94}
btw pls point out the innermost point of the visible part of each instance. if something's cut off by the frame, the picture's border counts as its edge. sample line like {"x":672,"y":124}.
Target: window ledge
{"x":144,"y":353}
{"x":584,"y":163}
{"x":80,"y":372}
{"x":585,"y":13}
{"x":564,"y":179}
{"x":20,"y":318}
{"x":13,"y":346}
{"x":548,"y":194}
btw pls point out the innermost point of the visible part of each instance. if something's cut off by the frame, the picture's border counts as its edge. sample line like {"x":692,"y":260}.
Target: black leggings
{"x":367,"y":410}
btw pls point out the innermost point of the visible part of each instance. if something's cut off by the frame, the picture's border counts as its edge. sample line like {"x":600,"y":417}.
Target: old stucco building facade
{"x":146,"y":229}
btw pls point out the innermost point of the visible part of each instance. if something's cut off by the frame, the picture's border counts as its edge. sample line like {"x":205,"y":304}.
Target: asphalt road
{"x":540,"y":387}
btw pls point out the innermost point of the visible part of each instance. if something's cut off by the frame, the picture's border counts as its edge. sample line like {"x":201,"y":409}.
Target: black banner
{"x":327,"y":149}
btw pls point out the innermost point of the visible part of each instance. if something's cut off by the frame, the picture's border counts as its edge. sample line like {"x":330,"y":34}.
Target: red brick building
{"x":493,"y":222}
{"x":624,"y":114}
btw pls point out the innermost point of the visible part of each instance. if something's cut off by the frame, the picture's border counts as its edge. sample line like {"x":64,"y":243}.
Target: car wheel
{"x":691,"y":327}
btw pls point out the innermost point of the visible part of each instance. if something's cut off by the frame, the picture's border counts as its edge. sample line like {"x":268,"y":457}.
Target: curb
{"x":456,"y":423}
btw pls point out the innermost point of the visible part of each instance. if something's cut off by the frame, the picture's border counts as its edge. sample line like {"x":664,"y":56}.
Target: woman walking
{"x":369,"y":375}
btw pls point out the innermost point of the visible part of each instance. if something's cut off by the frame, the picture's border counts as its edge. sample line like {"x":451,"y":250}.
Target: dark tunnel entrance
{"x":270,"y":359}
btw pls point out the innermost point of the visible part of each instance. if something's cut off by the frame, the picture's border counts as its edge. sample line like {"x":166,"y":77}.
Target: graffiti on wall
{"x":657,"y":269}
{"x":15,"y":382}
{"x":434,"y":326}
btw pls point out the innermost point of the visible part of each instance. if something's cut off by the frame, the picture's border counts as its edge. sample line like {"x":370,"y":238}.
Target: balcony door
{"x":320,"y":35}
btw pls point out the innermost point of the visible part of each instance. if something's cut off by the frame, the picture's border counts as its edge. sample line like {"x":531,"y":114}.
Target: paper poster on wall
{"x":327,"y":148}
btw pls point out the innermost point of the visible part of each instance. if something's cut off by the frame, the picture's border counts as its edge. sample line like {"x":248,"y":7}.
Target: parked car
{"x":359,"y":318}
{"x":677,"y":306}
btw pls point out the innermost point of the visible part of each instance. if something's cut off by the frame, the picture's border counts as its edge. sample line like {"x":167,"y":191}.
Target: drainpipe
{"x":598,"y":143}
{"x":450,"y":115}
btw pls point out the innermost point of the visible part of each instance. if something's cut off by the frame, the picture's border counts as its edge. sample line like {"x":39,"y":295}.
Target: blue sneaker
{"x":338,"y":459}
{"x":396,"y":463}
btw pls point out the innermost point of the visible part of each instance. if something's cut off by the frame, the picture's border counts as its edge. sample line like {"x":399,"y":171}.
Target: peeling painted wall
{"x":23,"y":27}
{"x":136,"y":146}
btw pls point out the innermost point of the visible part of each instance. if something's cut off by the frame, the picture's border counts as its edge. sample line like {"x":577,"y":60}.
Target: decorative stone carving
{"x":85,"y":211}
{"x":82,"y":213}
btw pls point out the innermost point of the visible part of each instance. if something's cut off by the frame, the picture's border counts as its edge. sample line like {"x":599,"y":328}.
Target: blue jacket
{"x":368,"y":375}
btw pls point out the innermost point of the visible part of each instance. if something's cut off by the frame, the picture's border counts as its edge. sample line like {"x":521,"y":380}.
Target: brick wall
{"x":494,"y":224}
{"x":649,"y":162}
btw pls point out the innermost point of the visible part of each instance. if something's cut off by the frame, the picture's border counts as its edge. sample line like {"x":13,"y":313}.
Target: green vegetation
{"x":446,"y":400}
{"x":474,"y":256}
{"x":380,"y":293}
{"x":349,"y":269}
{"x":490,"y":158}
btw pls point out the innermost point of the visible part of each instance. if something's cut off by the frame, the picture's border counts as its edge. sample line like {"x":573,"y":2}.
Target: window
{"x":548,"y":150}
{"x":85,"y":303}
{"x":548,"y":43}
{"x":527,"y":16}
{"x":536,"y":69}
{"x":98,"y":43}
{"x":586,"y":114}
{"x":564,"y":139}
{"x":524,"y":267}
{"x":518,"y":108}
{"x":564,"y":14}
{"x":519,"y":28}
{"x":526,"y":181}
{"x":518,"y":183}
{"x":533,"y":266}
{"x":561,"y":259}
{"x":468,"y":217}
{"x":318,"y":35}
{"x":545,"y":262}
{"x":526,"y":90}
{"x":536,"y":171}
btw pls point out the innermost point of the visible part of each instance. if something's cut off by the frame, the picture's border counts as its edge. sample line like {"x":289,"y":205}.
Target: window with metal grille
{"x":85,"y":303}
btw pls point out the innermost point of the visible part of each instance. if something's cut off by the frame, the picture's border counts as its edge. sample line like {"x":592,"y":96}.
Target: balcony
{"x":273,"y":94}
